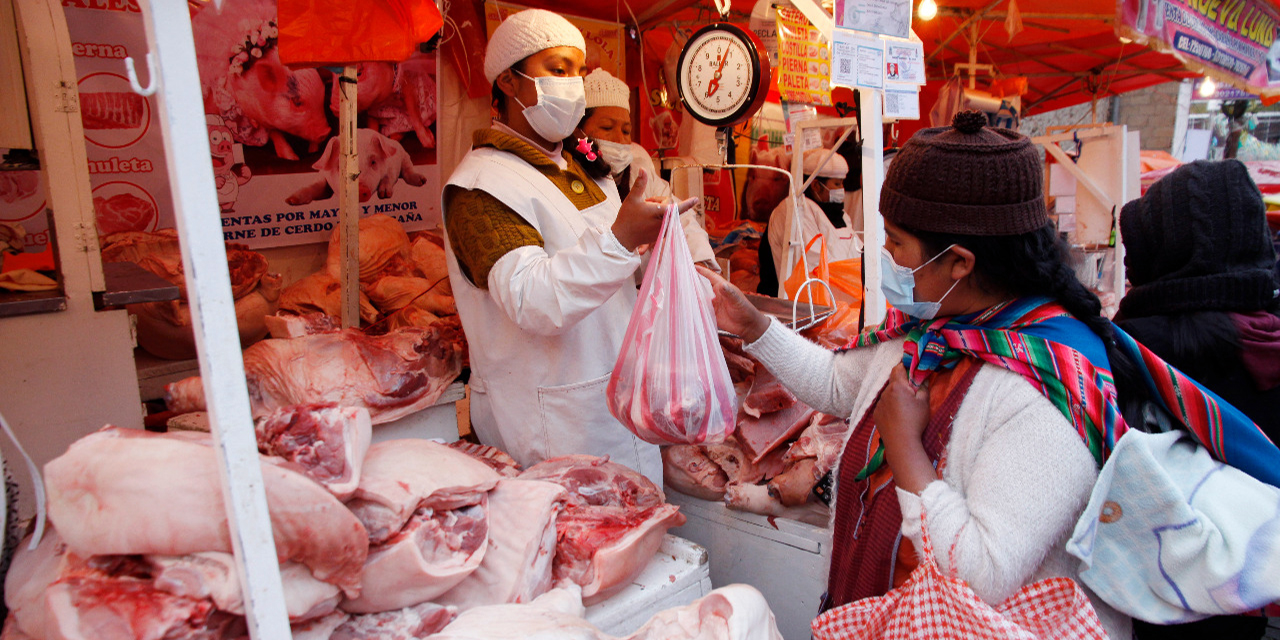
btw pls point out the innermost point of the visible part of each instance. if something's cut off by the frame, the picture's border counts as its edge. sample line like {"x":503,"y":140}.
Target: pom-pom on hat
{"x":967,"y":179}
{"x":604,"y":90}
{"x":526,"y":33}
{"x":836,"y":167}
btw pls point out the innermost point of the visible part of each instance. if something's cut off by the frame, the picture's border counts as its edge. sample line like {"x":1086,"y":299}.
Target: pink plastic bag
{"x":671,"y":384}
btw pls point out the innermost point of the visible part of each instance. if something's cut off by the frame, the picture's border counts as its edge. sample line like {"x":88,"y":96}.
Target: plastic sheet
{"x":671,"y":384}
{"x":336,"y":33}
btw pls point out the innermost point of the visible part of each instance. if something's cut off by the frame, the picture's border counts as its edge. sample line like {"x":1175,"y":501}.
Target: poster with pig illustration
{"x":272,"y":132}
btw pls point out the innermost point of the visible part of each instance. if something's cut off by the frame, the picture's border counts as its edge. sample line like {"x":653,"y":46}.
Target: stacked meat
{"x":374,"y":542}
{"x":776,"y":461}
{"x":403,"y":283}
{"x":164,"y":328}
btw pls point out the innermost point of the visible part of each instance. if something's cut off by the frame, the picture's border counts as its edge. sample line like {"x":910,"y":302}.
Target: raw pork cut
{"x":613,"y":525}
{"x":101,"y":608}
{"x":756,"y":499}
{"x":400,"y":476}
{"x":761,"y":435}
{"x":735,"y":462}
{"x":812,"y":456}
{"x":169,"y":502}
{"x":30,"y":573}
{"x":687,"y":469}
{"x":123,"y":212}
{"x":321,"y":293}
{"x":767,"y":395}
{"x":428,"y":256}
{"x":496,"y":458}
{"x":289,"y":325}
{"x":425,"y":508}
{"x":112,"y":110}
{"x":212,"y":575}
{"x":391,"y":375}
{"x":734,"y":612}
{"x":522,"y":543}
{"x":434,"y":551}
{"x":327,"y":441}
{"x":418,"y":621}
{"x":384,"y":250}
{"x":741,"y":366}
{"x":392,"y":293}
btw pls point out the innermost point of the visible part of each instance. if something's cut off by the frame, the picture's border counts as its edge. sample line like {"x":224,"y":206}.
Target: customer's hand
{"x":639,"y":220}
{"x":903,"y":410}
{"x":733,"y":312}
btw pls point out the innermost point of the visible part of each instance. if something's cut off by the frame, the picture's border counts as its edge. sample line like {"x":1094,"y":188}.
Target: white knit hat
{"x":836,"y":167}
{"x":604,"y":90}
{"x":526,"y":33}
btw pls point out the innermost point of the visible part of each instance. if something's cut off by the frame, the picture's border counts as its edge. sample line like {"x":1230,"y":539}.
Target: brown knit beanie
{"x":967,"y":179}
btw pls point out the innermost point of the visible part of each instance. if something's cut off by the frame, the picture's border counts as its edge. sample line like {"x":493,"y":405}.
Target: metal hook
{"x":133,"y":76}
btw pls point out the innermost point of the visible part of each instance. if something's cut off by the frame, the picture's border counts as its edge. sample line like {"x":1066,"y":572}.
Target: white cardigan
{"x":1017,"y":474}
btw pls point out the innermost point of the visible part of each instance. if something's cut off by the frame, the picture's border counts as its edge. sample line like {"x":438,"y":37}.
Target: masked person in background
{"x":823,"y":212}
{"x":608,"y":124}
{"x":542,"y":257}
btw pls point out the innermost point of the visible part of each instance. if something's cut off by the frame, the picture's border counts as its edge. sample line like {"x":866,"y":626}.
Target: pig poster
{"x":272,"y":132}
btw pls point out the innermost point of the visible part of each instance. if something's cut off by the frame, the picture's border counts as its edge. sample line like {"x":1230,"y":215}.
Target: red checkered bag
{"x":933,"y":606}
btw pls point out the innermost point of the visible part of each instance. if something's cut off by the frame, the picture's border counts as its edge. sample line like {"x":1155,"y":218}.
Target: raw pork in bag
{"x":671,"y":384}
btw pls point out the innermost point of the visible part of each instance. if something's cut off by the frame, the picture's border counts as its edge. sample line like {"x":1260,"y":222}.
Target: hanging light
{"x":927,"y":10}
{"x":1208,"y":88}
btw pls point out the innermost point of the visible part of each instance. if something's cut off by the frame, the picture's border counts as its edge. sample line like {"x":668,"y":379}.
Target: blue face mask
{"x":898,"y":284}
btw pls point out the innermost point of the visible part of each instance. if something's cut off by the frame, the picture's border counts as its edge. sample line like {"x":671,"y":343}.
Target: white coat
{"x":545,"y":335}
{"x":842,"y":244}
{"x":658,"y":189}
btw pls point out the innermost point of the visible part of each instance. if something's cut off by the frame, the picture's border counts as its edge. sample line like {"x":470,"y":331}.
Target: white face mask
{"x":835,"y":195}
{"x":898,"y":284}
{"x":561,"y":104}
{"x":618,"y":155}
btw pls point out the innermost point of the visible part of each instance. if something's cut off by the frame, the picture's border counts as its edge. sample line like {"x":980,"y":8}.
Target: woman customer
{"x":608,"y":125}
{"x":542,"y":256}
{"x":949,"y":420}
{"x":1204,"y":298}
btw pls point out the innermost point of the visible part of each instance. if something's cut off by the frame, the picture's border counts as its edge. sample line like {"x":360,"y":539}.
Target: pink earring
{"x":584,"y":146}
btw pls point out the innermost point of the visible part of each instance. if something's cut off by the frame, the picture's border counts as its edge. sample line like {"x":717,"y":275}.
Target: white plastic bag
{"x":671,"y":384}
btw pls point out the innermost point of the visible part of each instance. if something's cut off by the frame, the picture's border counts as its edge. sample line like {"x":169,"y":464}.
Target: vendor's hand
{"x":640,"y":220}
{"x":903,"y":411}
{"x":733,"y":312}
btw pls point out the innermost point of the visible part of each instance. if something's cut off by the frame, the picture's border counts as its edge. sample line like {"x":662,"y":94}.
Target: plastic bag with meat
{"x":671,"y":384}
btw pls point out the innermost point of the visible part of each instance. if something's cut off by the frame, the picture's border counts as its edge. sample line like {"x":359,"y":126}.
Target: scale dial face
{"x":721,"y":76}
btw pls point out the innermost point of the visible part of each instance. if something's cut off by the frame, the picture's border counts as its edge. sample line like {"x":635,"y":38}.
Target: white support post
{"x":186,"y":141}
{"x":872,"y":125}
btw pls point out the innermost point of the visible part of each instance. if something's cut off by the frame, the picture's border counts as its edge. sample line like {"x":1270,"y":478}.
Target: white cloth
{"x":1172,"y":535}
{"x":545,"y":335}
{"x":658,"y":189}
{"x":604,"y":90}
{"x":836,"y":166}
{"x":853,"y":210}
{"x":526,"y":33}
{"x":1017,"y":475}
{"x":842,"y":244}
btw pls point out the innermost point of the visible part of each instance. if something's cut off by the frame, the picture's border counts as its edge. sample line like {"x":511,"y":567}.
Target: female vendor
{"x":947,"y":431}
{"x":542,"y":256}
{"x":608,"y":124}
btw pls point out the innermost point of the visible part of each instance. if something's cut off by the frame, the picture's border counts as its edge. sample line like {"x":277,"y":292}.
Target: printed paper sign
{"x":858,"y":60}
{"x":886,"y":17}
{"x":904,"y":61}
{"x":1233,"y":39}
{"x":903,"y":104}
{"x":804,"y":60}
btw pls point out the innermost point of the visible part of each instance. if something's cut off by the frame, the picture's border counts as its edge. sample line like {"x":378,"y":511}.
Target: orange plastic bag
{"x":341,"y":32}
{"x":814,"y":293}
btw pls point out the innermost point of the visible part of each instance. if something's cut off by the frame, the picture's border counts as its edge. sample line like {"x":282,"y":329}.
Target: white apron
{"x":842,"y":244}
{"x":539,"y":396}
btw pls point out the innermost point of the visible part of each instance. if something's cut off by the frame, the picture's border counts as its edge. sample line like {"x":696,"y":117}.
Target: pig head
{"x":282,"y":100}
{"x":375,"y":82}
{"x":383,"y":162}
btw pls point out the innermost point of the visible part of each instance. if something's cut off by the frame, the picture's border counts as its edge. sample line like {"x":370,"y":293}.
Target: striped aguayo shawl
{"x":1006,"y":335}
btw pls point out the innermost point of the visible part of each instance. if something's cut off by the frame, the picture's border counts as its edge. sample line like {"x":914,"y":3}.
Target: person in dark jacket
{"x":1204,"y":297}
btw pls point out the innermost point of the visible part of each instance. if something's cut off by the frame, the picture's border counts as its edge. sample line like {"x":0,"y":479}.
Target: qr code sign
{"x":846,"y":66}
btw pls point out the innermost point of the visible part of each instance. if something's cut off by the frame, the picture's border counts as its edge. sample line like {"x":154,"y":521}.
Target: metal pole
{"x":213,"y":316}
{"x":348,"y":199}
{"x":872,"y":127}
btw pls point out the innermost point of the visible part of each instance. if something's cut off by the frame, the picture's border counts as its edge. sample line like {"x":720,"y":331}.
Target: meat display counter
{"x":678,"y":574}
{"x":785,"y":559}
